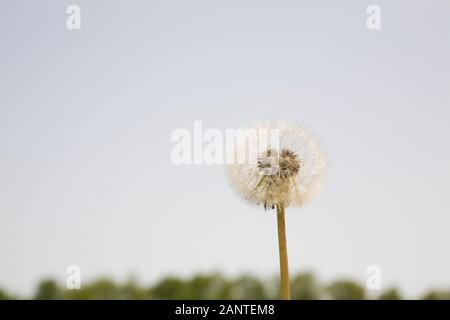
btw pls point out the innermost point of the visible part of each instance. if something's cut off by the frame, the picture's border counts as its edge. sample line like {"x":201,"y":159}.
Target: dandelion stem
{"x":284,"y":270}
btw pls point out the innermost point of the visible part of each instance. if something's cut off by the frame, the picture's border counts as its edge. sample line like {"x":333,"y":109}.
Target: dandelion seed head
{"x":290,"y":174}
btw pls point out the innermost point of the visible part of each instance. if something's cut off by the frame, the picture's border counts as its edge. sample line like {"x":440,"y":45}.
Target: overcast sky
{"x":86,"y":118}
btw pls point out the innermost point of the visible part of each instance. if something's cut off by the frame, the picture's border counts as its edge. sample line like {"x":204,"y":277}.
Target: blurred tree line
{"x":215,"y":286}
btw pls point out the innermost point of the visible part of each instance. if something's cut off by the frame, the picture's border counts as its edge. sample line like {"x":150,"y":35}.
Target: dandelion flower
{"x":287,"y":171}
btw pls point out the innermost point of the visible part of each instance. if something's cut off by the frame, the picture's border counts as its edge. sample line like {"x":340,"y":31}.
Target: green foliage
{"x":170,"y":288}
{"x":197,"y":287}
{"x":214,"y":286}
{"x":5,"y":296}
{"x":390,"y":294}
{"x":437,"y":295}
{"x":48,"y":290}
{"x":305,"y":287}
{"x":346,"y":290}
{"x":101,"y":289}
{"x":247,"y":287}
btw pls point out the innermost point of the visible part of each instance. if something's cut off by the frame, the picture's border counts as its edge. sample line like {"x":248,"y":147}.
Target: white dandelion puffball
{"x":288,"y":169}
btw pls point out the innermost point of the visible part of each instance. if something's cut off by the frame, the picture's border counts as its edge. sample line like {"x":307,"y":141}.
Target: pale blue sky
{"x":86,"y":118}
